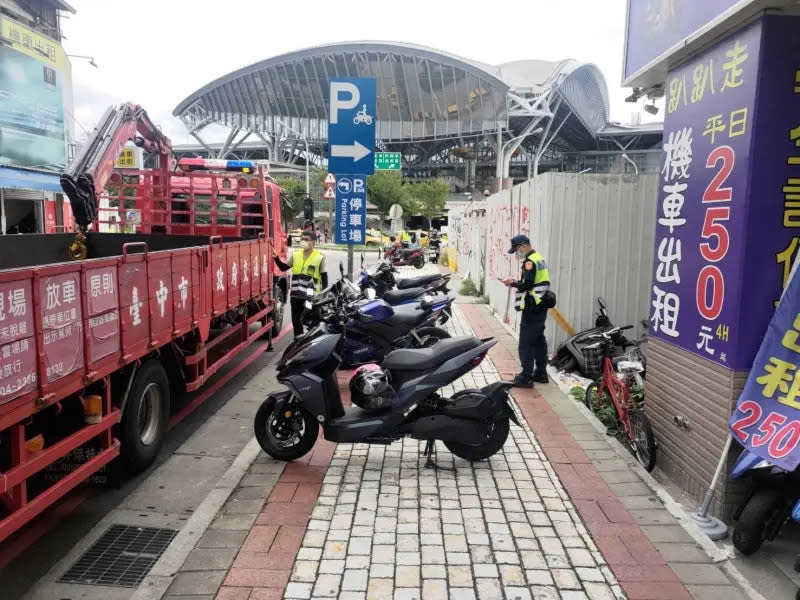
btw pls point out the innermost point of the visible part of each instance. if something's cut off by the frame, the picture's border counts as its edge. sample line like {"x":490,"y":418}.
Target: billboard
{"x":656,"y":27}
{"x":35,"y":95}
{"x":728,"y":225}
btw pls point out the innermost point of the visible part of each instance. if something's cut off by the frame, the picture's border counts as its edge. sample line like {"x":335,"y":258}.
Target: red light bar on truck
{"x":215,"y":164}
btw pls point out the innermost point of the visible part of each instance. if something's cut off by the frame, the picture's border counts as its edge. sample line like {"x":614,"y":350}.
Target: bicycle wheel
{"x":643,"y":443}
{"x":602,"y":407}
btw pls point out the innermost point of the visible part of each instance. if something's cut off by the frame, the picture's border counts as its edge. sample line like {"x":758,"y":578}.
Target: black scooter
{"x":571,"y":356}
{"x":473,"y":424}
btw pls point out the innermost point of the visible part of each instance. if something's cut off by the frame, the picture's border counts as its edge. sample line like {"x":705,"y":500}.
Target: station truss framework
{"x":448,"y":116}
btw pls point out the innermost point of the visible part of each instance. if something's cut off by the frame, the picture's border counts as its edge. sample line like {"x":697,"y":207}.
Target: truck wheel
{"x":277,"y":312}
{"x":144,"y":422}
{"x":757,"y":519}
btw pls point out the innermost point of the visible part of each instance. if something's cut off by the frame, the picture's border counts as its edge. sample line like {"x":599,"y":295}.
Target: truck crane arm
{"x":86,"y":176}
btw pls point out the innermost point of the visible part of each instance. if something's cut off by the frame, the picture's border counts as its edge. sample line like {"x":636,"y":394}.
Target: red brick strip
{"x":264,"y":563}
{"x":637,"y":565}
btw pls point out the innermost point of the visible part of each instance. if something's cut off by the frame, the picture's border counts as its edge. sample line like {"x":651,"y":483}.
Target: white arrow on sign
{"x":356,"y":151}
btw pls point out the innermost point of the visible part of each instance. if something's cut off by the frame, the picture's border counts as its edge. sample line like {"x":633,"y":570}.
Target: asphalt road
{"x":195,"y":454}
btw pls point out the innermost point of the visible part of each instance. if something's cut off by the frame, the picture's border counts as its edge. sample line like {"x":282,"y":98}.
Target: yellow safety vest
{"x":541,"y":282}
{"x":306,"y":273}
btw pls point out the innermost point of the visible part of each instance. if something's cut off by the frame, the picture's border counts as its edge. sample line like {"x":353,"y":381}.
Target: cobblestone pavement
{"x":385,"y":527}
{"x":558,"y":514}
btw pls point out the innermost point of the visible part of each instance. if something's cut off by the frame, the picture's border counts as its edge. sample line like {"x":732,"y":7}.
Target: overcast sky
{"x":157,"y":52}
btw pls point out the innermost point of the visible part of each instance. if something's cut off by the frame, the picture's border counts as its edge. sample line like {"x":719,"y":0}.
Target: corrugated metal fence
{"x":596,"y":232}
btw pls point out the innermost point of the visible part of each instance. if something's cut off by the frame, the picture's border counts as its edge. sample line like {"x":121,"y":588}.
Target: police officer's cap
{"x":517,"y":241}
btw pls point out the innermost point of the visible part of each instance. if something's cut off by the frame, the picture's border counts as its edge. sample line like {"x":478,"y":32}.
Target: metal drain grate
{"x":121,"y":557}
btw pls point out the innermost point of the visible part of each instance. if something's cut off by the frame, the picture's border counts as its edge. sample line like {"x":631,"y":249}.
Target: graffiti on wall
{"x":500,"y":263}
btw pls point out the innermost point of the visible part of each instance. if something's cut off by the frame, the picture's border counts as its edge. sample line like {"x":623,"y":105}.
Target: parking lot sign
{"x":351,"y":126}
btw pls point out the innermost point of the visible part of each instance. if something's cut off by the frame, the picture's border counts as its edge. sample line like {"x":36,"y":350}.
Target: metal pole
{"x":711,"y":526}
{"x":3,"y":210}
{"x":350,"y":261}
{"x":308,"y":176}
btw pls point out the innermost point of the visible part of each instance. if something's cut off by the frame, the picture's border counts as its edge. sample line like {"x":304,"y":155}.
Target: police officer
{"x":533,"y":299}
{"x":308,"y":272}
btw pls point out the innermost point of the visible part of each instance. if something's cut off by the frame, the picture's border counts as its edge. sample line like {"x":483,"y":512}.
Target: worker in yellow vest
{"x":533,"y":299}
{"x":308,"y":272}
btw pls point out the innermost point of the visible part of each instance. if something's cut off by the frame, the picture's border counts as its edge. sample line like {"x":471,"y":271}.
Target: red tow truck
{"x":101,"y":331}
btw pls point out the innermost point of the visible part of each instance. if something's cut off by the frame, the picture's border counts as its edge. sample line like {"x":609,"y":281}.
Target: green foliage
{"x":384,"y":189}
{"x":468,"y":288}
{"x":294,"y":190}
{"x":427,"y":198}
{"x":578,"y":393}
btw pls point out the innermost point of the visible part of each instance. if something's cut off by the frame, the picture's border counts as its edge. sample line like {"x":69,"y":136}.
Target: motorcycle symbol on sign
{"x":362,"y":116}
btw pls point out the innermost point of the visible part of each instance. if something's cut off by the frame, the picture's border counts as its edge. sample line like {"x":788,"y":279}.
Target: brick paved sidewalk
{"x":556,"y":515}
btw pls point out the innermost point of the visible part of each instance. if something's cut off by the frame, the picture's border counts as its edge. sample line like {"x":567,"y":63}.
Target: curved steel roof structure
{"x":423,"y":95}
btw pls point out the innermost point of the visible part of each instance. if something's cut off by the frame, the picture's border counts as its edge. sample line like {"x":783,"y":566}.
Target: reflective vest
{"x":305,"y":273}
{"x":541,"y":282}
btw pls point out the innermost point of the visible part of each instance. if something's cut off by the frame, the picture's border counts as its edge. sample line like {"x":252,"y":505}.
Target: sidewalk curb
{"x":163,"y":573}
{"x":719,"y":556}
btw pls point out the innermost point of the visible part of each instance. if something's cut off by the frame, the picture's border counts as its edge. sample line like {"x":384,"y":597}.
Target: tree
{"x":430,"y":197}
{"x":294,"y":188}
{"x":384,"y":189}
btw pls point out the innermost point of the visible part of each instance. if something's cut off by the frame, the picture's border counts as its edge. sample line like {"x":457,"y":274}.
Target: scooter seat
{"x":425,"y":359}
{"x":420,"y":281}
{"x":405,"y":315}
{"x":400,"y":296}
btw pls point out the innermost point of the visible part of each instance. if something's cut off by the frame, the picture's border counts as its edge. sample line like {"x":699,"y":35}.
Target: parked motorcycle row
{"x":390,"y":331}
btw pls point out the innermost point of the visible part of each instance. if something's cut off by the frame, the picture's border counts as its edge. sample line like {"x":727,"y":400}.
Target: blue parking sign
{"x":351,"y":209}
{"x":352,"y":118}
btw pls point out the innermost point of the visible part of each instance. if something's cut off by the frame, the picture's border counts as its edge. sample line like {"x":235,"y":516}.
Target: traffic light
{"x":308,"y":208}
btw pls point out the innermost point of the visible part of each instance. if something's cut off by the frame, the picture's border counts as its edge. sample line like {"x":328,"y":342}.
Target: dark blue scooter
{"x":773,"y":498}
{"x":371,"y":328}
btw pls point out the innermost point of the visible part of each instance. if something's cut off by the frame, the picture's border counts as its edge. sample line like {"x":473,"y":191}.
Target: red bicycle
{"x":610,"y":396}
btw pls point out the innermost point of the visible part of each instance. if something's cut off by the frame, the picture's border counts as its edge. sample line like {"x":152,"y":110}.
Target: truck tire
{"x":144,"y":422}
{"x":277,"y":312}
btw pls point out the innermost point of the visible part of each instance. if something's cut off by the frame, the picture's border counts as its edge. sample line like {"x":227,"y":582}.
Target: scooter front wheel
{"x":496,"y":440}
{"x":757,"y":520}
{"x":287,"y":435}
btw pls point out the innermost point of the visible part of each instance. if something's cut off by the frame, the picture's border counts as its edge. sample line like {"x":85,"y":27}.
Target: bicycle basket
{"x":593,"y":359}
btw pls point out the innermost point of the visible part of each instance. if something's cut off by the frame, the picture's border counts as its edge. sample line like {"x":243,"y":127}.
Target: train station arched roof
{"x":424,"y":95}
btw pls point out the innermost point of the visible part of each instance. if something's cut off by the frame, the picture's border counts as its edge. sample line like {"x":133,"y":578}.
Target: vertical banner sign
{"x":702,"y":214}
{"x":767,"y":417}
{"x":351,"y":126}
{"x":351,"y":209}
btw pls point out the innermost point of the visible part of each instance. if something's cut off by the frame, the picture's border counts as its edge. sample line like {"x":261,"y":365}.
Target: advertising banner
{"x":729,"y":213}
{"x":34,"y":82}
{"x":656,"y":26}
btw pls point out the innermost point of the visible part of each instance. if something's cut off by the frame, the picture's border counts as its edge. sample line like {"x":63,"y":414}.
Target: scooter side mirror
{"x":341,"y":269}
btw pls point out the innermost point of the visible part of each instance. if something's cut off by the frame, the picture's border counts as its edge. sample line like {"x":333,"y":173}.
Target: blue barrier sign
{"x":351,"y":209}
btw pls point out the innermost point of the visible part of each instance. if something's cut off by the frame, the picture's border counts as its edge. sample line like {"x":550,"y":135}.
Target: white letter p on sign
{"x":337,"y":102}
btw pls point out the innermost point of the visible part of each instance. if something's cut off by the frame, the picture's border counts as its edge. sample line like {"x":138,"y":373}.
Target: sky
{"x":157,"y":52}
